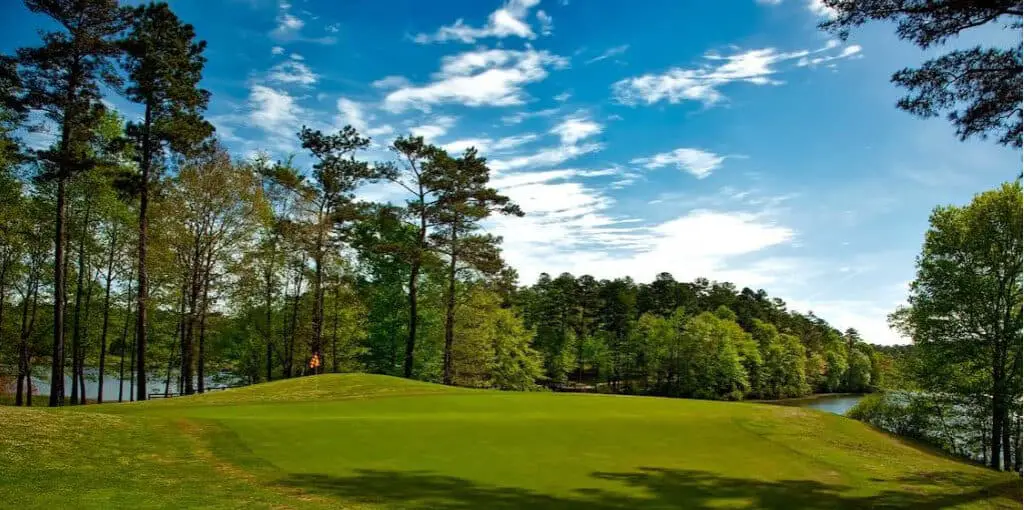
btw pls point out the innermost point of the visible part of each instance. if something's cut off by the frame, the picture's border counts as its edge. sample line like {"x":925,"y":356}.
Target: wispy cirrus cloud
{"x":353,"y":113}
{"x":493,"y":77}
{"x":293,"y":71}
{"x":696,"y":162}
{"x":704,"y":83}
{"x":575,"y":128}
{"x":609,"y":53}
{"x":289,"y":27}
{"x":490,"y":146}
{"x":508,"y":21}
{"x":571,"y":131}
{"x":519,"y":117}
{"x":434,"y":129}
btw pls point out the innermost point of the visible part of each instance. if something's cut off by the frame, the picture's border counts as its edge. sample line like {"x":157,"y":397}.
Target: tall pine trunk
{"x":188,"y":331}
{"x":334,"y":335}
{"x":124,"y":338}
{"x":142,"y":291}
{"x":106,"y":315}
{"x":410,"y":342}
{"x":318,"y":294}
{"x":180,"y":337}
{"x":57,"y":361}
{"x":4,"y":265}
{"x":85,"y":337}
{"x":269,"y":311}
{"x":28,"y":322}
{"x":201,"y":359}
{"x":449,"y":319}
{"x":1007,"y":444}
{"x":131,"y":365}
{"x":290,"y":348}
{"x":414,"y":284}
{"x":76,"y":335}
{"x":23,"y":347}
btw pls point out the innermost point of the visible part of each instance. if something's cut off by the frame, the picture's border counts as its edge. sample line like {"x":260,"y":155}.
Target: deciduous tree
{"x":965,"y":301}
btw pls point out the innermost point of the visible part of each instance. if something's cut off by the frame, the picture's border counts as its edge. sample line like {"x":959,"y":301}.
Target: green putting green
{"x":363,"y":441}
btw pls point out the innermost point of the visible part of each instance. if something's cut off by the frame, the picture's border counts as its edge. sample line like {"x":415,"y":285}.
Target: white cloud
{"x":292,"y":72}
{"x":563,"y":97}
{"x":476,"y":78}
{"x":848,"y":52}
{"x":508,"y":21}
{"x":287,"y":25}
{"x":273,"y":111}
{"x":519,"y":117}
{"x":333,"y":28}
{"x":818,"y":8}
{"x":487,"y":145}
{"x":352,"y":113}
{"x":391,"y":82}
{"x":610,"y":52}
{"x":575,"y":128}
{"x":769,"y":2}
{"x":430,"y":132}
{"x":868,"y":317}
{"x":545,"y":157}
{"x":511,"y":142}
{"x":482,"y":145}
{"x":697,"y":162}
{"x":568,"y":227}
{"x":547,"y":23}
{"x":757,"y":67}
{"x":277,"y":50}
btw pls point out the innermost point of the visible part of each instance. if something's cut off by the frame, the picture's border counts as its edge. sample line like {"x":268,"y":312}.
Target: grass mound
{"x":360,"y":441}
{"x":327,"y":387}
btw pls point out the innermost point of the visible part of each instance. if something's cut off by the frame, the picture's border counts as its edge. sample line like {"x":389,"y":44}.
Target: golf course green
{"x":364,"y":441}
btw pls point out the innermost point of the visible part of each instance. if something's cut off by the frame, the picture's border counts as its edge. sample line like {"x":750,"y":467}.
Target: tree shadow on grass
{"x":652,"y":488}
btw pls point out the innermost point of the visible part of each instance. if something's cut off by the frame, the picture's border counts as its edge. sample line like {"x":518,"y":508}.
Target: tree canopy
{"x":977,"y":88}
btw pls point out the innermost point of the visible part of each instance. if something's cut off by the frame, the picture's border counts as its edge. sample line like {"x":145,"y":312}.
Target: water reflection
{"x":155,"y":383}
{"x":835,"y":404}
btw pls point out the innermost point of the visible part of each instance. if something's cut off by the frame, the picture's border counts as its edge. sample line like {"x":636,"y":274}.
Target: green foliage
{"x":978,"y":88}
{"x":492,"y":346}
{"x":965,"y":306}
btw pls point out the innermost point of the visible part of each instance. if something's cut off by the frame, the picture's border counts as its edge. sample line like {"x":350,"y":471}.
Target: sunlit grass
{"x":381,"y":442}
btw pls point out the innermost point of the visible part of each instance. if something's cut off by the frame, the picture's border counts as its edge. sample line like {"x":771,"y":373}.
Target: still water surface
{"x":837,"y":404}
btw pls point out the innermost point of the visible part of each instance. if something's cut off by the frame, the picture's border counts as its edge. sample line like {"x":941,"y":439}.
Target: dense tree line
{"x":693,"y":339}
{"x":143,"y":248}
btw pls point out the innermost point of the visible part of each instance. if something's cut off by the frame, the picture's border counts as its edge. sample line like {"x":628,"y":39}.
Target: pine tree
{"x":164,"y":64}
{"x":333,"y":208}
{"x":464,"y":199}
{"x":62,"y":79}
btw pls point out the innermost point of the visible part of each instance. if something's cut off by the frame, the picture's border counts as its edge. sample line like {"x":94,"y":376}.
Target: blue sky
{"x":728,"y":139}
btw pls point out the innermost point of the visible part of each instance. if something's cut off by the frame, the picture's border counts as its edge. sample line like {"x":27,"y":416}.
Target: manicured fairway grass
{"x":360,"y":441}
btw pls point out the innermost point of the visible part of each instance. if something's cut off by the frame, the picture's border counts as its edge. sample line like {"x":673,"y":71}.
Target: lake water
{"x":838,"y":404}
{"x":111,"y":383}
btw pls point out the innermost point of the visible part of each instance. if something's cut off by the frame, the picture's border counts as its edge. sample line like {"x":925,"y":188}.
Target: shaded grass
{"x":378,"y":442}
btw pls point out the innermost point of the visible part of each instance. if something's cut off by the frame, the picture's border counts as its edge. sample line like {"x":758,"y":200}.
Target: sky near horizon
{"x":726,"y":139}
